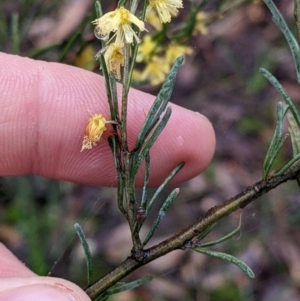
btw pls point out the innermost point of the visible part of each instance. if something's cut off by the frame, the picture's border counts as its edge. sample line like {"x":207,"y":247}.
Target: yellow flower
{"x":201,"y":21}
{"x":165,"y":8}
{"x":114,"y":58}
{"x":175,"y":50}
{"x":86,"y":59}
{"x":146,"y":49}
{"x":155,"y":71}
{"x":93,"y":132}
{"x":119,"y":21}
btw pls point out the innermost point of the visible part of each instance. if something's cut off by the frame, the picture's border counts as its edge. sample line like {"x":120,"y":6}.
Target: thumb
{"x":17,"y":282}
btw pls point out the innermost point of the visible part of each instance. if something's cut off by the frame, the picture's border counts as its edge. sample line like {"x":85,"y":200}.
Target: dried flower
{"x":114,"y":58}
{"x":93,"y":132}
{"x":165,"y":8}
{"x":119,"y":21}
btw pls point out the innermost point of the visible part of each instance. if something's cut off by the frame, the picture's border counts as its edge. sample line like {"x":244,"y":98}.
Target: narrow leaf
{"x":122,"y":3}
{"x":163,"y":185}
{"x":174,"y":172}
{"x":274,"y":146}
{"x":139,"y":155}
{"x":146,"y":181}
{"x":206,"y":231}
{"x":224,"y":238}
{"x":295,"y":136}
{"x":282,"y":93}
{"x":102,"y":297}
{"x":280,"y":144}
{"x":128,"y":286}
{"x":87,"y":252}
{"x":161,"y":214}
{"x":98,"y":8}
{"x":295,"y":133}
{"x":242,"y":265}
{"x":293,"y":44}
{"x":288,"y":165}
{"x":159,"y":104}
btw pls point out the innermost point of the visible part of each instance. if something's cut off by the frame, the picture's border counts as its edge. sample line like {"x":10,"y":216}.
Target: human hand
{"x":17,"y":283}
{"x":44,"y":112}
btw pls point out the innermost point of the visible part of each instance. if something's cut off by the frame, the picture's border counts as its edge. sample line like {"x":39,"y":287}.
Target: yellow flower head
{"x":175,"y":50}
{"x":146,"y":49}
{"x":165,"y":8}
{"x":114,"y":58}
{"x":93,"y":131}
{"x":155,"y":71}
{"x":119,"y":21}
{"x":201,"y":23}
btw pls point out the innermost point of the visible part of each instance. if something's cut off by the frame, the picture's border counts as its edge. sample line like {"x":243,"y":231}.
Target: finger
{"x":17,"y":282}
{"x":10,"y":266}
{"x":40,"y":288}
{"x":44,"y":114}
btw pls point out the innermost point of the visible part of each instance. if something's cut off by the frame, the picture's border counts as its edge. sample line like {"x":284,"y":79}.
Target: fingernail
{"x":39,"y":292}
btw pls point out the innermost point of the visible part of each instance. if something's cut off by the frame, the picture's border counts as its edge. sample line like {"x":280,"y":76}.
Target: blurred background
{"x":220,"y":79}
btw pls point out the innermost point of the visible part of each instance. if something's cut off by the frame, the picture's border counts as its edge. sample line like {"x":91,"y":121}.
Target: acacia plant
{"x":121,"y":32}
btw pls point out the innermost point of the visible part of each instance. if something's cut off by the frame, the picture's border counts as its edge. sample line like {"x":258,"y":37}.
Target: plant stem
{"x":182,"y":240}
{"x":128,"y":182}
{"x":125,"y":98}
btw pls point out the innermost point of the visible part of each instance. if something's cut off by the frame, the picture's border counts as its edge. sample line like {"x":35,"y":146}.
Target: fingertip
{"x":190,"y":138}
{"x":40,"y":288}
{"x":202,"y":141}
{"x":11,"y":266}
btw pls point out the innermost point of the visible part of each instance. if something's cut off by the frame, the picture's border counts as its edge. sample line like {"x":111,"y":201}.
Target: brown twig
{"x":182,"y":239}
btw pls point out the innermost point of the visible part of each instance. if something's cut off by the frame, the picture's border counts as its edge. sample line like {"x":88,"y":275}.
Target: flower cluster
{"x":158,"y":60}
{"x":118,"y":22}
{"x":115,"y":27}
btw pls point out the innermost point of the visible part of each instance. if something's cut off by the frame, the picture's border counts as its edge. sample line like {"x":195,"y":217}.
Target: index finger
{"x":42,"y":126}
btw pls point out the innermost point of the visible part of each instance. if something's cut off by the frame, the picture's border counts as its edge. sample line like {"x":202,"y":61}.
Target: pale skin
{"x":45,"y":108}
